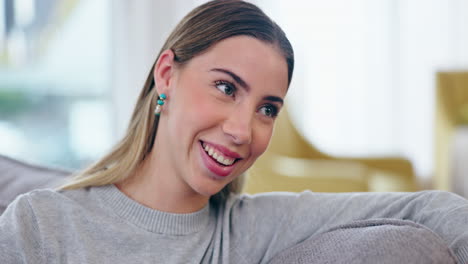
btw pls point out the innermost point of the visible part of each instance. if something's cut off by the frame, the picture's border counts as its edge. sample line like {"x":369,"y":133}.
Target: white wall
{"x":139,"y":29}
{"x":365,"y":79}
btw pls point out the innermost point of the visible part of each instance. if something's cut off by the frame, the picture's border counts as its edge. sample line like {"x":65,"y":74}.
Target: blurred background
{"x":55,"y":81}
{"x":365,"y":96}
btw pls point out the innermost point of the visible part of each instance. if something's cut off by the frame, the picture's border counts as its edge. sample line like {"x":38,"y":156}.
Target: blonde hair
{"x":197,"y":32}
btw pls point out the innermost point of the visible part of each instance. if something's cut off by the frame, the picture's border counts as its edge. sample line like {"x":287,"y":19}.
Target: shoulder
{"x":269,"y":196}
{"x":245,"y":209}
{"x":46,"y":203}
{"x":24,"y":214}
{"x":263,"y":201}
{"x":55,"y":197}
{"x":39,"y":197}
{"x":278,"y":203}
{"x":272,"y":201}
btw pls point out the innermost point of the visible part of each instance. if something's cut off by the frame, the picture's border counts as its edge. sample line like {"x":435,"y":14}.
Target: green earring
{"x":161,"y":99}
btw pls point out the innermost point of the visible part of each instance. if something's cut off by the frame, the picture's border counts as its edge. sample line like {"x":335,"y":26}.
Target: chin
{"x":208,"y":190}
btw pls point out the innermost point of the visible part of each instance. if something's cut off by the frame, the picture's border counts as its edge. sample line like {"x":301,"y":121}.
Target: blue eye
{"x":269,"y":110}
{"x":226,"y":87}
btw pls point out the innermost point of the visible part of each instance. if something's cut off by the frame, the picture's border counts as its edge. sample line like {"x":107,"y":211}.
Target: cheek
{"x":262,"y":136}
{"x":195,"y":110}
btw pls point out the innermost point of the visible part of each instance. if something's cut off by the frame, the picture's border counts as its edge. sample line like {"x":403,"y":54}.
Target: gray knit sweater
{"x":102,"y":225}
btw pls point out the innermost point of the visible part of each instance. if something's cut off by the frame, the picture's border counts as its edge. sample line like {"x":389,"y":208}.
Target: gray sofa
{"x":17,"y":177}
{"x":367,"y":241}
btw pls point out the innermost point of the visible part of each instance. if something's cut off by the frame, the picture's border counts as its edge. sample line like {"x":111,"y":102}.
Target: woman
{"x":167,"y":192}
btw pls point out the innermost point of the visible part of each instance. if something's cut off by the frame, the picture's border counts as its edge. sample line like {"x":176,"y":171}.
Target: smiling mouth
{"x":217,"y":156}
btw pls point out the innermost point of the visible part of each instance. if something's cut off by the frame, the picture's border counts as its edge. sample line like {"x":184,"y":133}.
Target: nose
{"x":238,"y":126}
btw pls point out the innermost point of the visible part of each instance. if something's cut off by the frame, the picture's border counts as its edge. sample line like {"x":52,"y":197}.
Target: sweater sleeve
{"x":20,"y":239}
{"x":277,"y":221}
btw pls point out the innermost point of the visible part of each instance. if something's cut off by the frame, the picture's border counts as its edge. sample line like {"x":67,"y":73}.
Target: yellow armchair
{"x":291,"y":163}
{"x":451,"y":112}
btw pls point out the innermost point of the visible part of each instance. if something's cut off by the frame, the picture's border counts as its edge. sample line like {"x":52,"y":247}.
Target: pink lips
{"x":214,"y":166}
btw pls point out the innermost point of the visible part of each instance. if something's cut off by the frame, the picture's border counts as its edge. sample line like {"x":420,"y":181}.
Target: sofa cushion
{"x":18,"y":177}
{"x":370,"y":241}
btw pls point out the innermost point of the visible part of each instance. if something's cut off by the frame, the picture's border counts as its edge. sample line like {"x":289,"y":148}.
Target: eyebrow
{"x":234,"y":76}
{"x":244,"y":85}
{"x":273,"y":99}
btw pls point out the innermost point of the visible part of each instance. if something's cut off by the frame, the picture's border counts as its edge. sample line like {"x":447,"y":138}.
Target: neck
{"x":158,"y":189}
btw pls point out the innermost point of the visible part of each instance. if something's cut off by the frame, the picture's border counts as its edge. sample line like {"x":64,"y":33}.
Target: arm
{"x":20,"y":240}
{"x":281,"y":220}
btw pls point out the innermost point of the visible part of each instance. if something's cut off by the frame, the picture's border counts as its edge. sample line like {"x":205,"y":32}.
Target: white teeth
{"x":217,"y":156}
{"x":220,"y":159}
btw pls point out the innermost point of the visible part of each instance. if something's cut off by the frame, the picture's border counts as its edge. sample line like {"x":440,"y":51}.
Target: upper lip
{"x":225,"y":151}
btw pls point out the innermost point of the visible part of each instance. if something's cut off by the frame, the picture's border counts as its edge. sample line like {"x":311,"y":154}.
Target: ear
{"x":163,"y":71}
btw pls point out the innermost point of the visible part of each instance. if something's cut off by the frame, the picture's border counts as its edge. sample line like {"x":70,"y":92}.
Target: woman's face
{"x":219,"y":114}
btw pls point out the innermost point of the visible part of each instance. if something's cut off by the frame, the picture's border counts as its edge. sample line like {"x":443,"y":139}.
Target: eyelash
{"x":274,"y":109}
{"x":228,"y":85}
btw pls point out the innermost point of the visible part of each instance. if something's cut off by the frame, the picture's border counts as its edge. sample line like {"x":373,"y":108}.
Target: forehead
{"x":258,"y":63}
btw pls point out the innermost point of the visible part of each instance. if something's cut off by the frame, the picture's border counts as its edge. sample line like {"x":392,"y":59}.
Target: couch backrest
{"x":17,"y":177}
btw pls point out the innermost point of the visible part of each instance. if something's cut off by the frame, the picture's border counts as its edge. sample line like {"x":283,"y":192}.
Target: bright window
{"x":54,"y":80}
